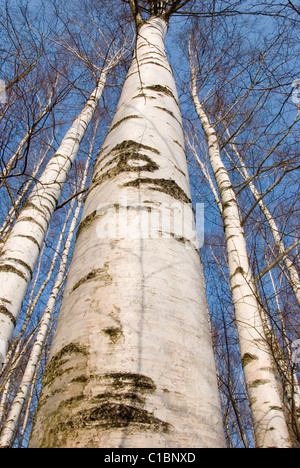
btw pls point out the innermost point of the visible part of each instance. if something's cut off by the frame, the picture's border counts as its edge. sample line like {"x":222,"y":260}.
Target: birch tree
{"x":259,"y":367}
{"x":127,"y":331}
{"x":294,"y":278}
{"x":22,"y":246}
{"x":140,"y":374}
{"x":13,"y":417}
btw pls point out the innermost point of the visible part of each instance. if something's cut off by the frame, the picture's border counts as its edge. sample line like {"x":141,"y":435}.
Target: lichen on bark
{"x":167,"y":186}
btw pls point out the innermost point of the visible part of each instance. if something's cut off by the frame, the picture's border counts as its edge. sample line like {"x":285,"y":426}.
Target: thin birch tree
{"x":13,"y":417}
{"x":22,"y":246}
{"x":258,"y":364}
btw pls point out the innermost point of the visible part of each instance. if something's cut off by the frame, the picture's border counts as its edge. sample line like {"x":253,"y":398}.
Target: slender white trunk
{"x":16,"y":345}
{"x":22,"y":247}
{"x":208,"y":178}
{"x":26,"y":139}
{"x":12,"y":419}
{"x":259,"y":368}
{"x":294,"y":278}
{"x":7,"y":224}
{"x":133,"y":331}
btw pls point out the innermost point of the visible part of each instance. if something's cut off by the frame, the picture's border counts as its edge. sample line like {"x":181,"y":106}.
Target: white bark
{"x":7,"y":224}
{"x":207,"y":176}
{"x":16,"y":344}
{"x":12,"y":419}
{"x":259,"y":368}
{"x":294,"y":278}
{"x":134,"y":329}
{"x":22,"y":247}
{"x":25,"y":140}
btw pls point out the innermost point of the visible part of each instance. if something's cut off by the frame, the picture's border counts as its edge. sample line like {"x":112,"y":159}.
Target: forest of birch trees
{"x":149,"y":224}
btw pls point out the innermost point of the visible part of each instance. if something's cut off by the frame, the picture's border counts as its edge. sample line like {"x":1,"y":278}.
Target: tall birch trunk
{"x":294,"y":278}
{"x":265,"y":400}
{"x":15,"y":348}
{"x":21,"y":249}
{"x":132,"y":363}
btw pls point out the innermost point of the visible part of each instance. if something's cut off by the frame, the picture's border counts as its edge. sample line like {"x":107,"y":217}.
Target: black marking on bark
{"x":115,"y":415}
{"x":257,"y":383}
{"x":99,"y":275}
{"x":131,"y":144}
{"x":3,"y":299}
{"x":32,"y":239}
{"x":164,"y":90}
{"x":232,"y":236}
{"x":177,"y":143}
{"x":124,"y":163}
{"x":236,"y":286}
{"x":229,"y":187}
{"x":130,"y":396}
{"x":156,"y":51}
{"x":22,"y":263}
{"x":119,"y":403}
{"x":80,"y":379}
{"x":53,"y":199}
{"x":152,"y":62}
{"x":238,"y":271}
{"x":127,"y":157}
{"x":54,"y":368}
{"x":124,"y":146}
{"x":29,"y":206}
{"x":276,"y":408}
{"x":12,"y":269}
{"x":181,"y":239}
{"x":119,"y":406}
{"x":115,"y":333}
{"x":4,"y":311}
{"x":32,"y":220}
{"x":119,"y":380}
{"x":169,"y":113}
{"x":168,"y":186}
{"x":141,"y":95}
{"x":248,"y":358}
{"x":229,"y":203}
{"x":128,"y":117}
{"x":86,"y":222}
